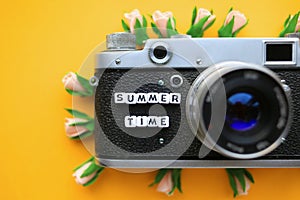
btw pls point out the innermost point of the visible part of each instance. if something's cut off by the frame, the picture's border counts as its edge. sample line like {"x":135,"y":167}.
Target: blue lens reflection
{"x":243,"y":111}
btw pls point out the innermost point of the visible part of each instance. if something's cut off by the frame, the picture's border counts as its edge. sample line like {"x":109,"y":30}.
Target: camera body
{"x":183,"y":102}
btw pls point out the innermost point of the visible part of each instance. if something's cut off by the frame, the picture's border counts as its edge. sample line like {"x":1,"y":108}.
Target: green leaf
{"x":145,"y":24}
{"x":232,"y":183}
{"x":140,"y":33}
{"x":159,"y":176}
{"x":90,"y":159}
{"x":241,"y":178}
{"x":179,"y":183}
{"x":138,"y":24}
{"x":170,"y":30}
{"x":77,"y":114}
{"x":209,"y":25}
{"x":125,"y":26}
{"x":174,"y":180}
{"x":231,"y":9}
{"x":141,"y":36}
{"x":94,"y":178}
{"x":85,"y":84}
{"x":176,"y":175}
{"x":91,"y":169}
{"x":77,"y":93}
{"x":83,"y":135}
{"x":291,"y":26}
{"x":226,"y":31}
{"x":194,"y":15}
{"x":91,"y":125}
{"x":248,"y":175}
{"x":156,"y":30}
{"x":287,"y":21}
{"x":196,"y":30}
{"x":169,"y":24}
{"x":175,"y":22}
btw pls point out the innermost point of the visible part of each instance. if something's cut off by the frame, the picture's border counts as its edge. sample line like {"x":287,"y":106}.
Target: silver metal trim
{"x":279,"y":63}
{"x":163,"y":60}
{"x":172,"y":81}
{"x":115,"y":163}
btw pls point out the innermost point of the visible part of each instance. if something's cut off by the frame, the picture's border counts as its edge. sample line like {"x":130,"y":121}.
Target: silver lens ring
{"x":210,"y":135}
{"x":160,"y":53}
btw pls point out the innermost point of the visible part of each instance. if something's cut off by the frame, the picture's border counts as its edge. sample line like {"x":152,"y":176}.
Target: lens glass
{"x":243,"y":111}
{"x":160,"y":52}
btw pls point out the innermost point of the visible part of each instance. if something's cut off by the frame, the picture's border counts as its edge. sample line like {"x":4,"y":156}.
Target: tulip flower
{"x":235,"y":21}
{"x":87,"y":173}
{"x":201,"y":21}
{"x":291,"y":25}
{"x":164,"y":24}
{"x":239,"y":180}
{"x":137,"y":24}
{"x":77,"y":85}
{"x":80,"y":126}
{"x":168,"y":180}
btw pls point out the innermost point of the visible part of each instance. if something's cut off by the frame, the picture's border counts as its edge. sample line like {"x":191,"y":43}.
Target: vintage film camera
{"x":201,"y":102}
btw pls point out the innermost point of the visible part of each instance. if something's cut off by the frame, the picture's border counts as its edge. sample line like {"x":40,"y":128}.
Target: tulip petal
{"x":159,"y":176}
{"x":85,"y":83}
{"x":90,"y":170}
{"x":94,"y":178}
{"x":156,"y":30}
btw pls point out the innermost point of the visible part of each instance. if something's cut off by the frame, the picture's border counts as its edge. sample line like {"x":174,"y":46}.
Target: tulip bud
{"x":291,"y":25}
{"x":87,"y":173}
{"x":240,"y":189}
{"x":73,"y":130}
{"x":77,"y":85}
{"x":168,"y":180}
{"x":132,"y":17}
{"x":166,"y":184}
{"x":80,"y":126}
{"x":137,"y":24}
{"x":239,"y":20}
{"x":164,"y":24}
{"x":239,"y":181}
{"x":201,"y":21}
{"x":234,"y":22}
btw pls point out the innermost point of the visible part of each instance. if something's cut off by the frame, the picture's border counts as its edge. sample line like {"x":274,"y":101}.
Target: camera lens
{"x":239,"y":110}
{"x":160,"y":53}
{"x":243,"y":111}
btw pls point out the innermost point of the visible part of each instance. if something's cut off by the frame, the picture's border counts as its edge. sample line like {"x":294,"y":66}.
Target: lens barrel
{"x":239,"y":110}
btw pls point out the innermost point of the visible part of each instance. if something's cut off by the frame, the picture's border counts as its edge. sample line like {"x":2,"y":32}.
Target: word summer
{"x":142,"y":98}
{"x":146,"y":121}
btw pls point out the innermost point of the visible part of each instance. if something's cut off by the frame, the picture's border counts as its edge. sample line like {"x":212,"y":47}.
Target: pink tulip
{"x":203,"y":13}
{"x":71,"y":82}
{"x":239,"y":187}
{"x":161,"y":20}
{"x":298,"y":25}
{"x":239,"y":20}
{"x":131,"y":17}
{"x":166,"y":184}
{"x":84,"y":180}
{"x":74,"y":131}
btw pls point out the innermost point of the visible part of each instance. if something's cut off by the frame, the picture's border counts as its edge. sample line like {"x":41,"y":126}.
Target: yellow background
{"x":43,"y":40}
